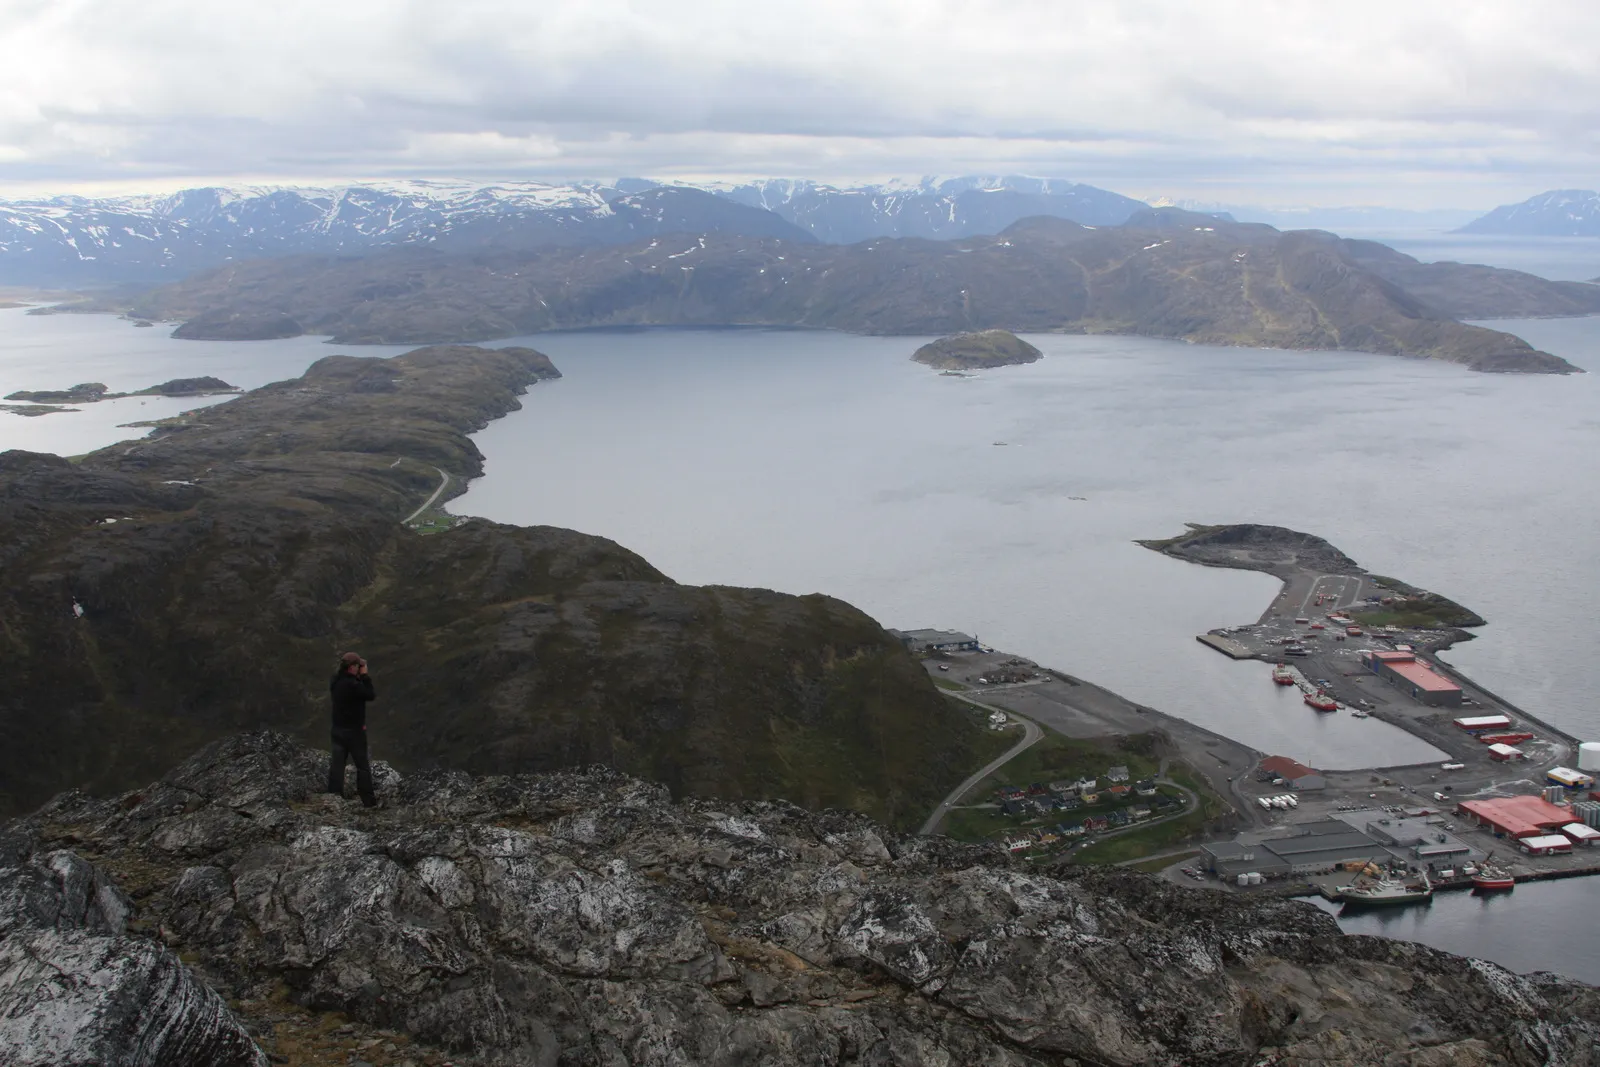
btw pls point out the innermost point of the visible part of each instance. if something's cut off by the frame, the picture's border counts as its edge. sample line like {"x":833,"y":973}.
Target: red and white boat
{"x":1282,"y":675}
{"x":1490,"y":878}
{"x":1322,"y":701}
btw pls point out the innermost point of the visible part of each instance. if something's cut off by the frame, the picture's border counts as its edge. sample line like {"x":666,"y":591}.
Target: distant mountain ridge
{"x":72,"y":241}
{"x":79,"y":241}
{"x":1557,"y":213}
{"x":1168,"y":273}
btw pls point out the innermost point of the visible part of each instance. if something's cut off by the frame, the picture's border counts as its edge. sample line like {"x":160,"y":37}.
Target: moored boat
{"x":1488,"y":877}
{"x":1385,"y":890}
{"x":1282,"y":675}
{"x":1322,"y":701}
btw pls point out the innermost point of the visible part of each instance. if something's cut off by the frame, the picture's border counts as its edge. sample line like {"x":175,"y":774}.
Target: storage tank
{"x":1555,"y":794}
{"x":1589,"y":757}
{"x":1255,"y":879}
{"x":1243,"y":879}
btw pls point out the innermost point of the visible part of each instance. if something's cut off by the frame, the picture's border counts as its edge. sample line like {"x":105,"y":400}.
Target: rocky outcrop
{"x":977,"y":351}
{"x":1255,"y":547}
{"x":1198,"y":278}
{"x":202,"y":386}
{"x":75,"y":988}
{"x":90,"y":392}
{"x":585,"y":919}
{"x":82,"y":393}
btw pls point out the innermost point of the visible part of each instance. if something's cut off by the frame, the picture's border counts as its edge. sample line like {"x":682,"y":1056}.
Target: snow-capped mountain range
{"x":933,"y":207}
{"x":71,"y":240}
{"x":1558,"y":213}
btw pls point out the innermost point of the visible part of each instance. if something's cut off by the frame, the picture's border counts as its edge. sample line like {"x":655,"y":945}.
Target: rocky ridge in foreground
{"x":584,"y":918}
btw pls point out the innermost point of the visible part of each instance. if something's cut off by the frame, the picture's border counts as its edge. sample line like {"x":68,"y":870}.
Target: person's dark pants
{"x":348,"y":745}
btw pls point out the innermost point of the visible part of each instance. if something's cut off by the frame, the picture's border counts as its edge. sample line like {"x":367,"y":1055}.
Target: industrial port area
{"x":1512,"y":799}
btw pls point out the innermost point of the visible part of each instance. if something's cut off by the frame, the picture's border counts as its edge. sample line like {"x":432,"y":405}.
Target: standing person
{"x":351,"y":689}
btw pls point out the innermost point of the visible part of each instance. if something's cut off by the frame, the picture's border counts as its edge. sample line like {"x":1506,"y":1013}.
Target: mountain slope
{"x":1557,"y":213}
{"x":260,"y":537}
{"x":1470,"y":291}
{"x":1222,"y":283}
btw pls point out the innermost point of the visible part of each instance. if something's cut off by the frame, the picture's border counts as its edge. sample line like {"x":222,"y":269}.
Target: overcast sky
{"x":1403,"y":103}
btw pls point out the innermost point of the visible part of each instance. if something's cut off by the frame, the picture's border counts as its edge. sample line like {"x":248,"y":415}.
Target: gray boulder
{"x":76,"y":991}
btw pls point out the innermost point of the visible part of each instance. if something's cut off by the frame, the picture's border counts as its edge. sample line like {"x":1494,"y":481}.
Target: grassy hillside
{"x":257,"y":539}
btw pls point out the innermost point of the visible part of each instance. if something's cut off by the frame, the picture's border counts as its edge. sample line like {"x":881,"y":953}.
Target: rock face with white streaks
{"x":74,"y":989}
{"x":586,"y":919}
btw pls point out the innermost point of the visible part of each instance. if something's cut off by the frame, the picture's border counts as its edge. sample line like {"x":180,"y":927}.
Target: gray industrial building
{"x":936,"y":640}
{"x":1311,"y":847}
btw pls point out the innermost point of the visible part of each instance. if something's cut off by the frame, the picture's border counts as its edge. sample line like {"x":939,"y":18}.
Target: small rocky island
{"x":977,"y":351}
{"x":89,"y":392}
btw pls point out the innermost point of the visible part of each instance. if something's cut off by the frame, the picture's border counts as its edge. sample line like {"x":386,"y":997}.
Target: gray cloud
{"x":1416,"y":103}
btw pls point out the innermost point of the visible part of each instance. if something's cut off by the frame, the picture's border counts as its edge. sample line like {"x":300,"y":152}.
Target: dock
{"x":1226,"y":645}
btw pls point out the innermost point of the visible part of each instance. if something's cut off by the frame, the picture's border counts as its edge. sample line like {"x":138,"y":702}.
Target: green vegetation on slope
{"x":1413,"y":608}
{"x":263,"y":536}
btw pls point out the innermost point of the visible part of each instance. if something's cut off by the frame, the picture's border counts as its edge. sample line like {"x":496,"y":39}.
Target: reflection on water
{"x":1539,"y":926}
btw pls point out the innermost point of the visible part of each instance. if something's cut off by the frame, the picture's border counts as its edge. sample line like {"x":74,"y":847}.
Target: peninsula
{"x":1368,"y":643}
{"x":202,"y":580}
{"x":977,"y":351}
{"x":1163,"y":274}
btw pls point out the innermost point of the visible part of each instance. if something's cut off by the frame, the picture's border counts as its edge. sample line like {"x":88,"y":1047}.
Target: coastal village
{"x":1513,"y":798}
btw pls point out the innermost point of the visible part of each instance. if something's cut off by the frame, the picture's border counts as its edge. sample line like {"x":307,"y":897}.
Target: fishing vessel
{"x":1322,"y":701}
{"x":1490,"y":878}
{"x":1283,"y":675}
{"x":1386,"y":890}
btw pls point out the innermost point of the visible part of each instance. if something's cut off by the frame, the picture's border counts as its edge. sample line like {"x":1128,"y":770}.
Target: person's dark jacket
{"x":350,"y":696}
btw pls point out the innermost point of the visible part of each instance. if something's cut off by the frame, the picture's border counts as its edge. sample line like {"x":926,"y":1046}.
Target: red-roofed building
{"x":1406,"y":672}
{"x":1297,"y":774}
{"x":1517,"y":816}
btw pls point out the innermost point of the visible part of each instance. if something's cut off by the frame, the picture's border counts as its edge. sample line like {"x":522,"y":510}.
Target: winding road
{"x":1031,"y":735}
{"x":444,"y":480}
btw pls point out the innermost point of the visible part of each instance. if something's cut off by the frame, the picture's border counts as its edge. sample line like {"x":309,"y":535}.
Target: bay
{"x":56,"y":351}
{"x":822,"y":462}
